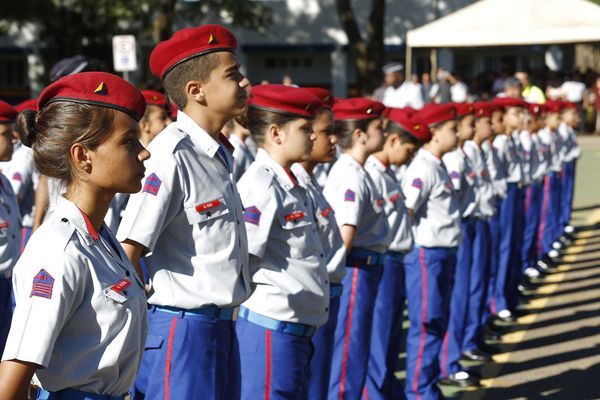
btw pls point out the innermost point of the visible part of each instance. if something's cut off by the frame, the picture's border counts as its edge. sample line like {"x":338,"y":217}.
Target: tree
{"x":69,"y":27}
{"x":367,"y":53}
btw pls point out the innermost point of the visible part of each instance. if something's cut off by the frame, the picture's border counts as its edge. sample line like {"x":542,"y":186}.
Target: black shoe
{"x":460,"y":379}
{"x":489,"y":349}
{"x":476,"y":355}
{"x":492,"y":337}
{"x":509,"y":319}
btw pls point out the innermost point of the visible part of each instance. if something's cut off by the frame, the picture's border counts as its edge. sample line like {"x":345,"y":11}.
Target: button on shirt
{"x":81,"y":310}
{"x":507,"y":154}
{"x":10,"y":228}
{"x":189,"y":217}
{"x":357,"y":202}
{"x":429,"y":193}
{"x":242,"y":157}
{"x":486,"y":198}
{"x":464,"y":181}
{"x":495,"y":168}
{"x":331,"y":238}
{"x":395,"y":210}
{"x":23,"y":179}
{"x":287,"y":260}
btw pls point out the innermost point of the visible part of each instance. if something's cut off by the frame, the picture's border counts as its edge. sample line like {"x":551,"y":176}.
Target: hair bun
{"x":25,"y":126}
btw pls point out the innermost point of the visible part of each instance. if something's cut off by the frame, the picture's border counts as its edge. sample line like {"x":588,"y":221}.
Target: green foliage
{"x":69,"y":27}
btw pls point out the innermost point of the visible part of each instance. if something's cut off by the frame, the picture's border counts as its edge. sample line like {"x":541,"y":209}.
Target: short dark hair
{"x":344,"y":129}
{"x":258,"y":120}
{"x":53,"y":130}
{"x":197,"y":68}
{"x":405,"y":137}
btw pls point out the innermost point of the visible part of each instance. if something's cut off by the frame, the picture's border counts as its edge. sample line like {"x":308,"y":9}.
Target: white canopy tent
{"x":489,"y":23}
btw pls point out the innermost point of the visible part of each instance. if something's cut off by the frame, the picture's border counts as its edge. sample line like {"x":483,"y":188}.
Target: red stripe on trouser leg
{"x":348,"y":326}
{"x":169,"y":353}
{"x":365,"y":394}
{"x":445,"y":356}
{"x":268,"y":365}
{"x":423,"y":319}
{"x":544,"y":215}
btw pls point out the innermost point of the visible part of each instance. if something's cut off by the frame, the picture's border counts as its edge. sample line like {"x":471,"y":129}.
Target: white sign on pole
{"x":124,"y":54}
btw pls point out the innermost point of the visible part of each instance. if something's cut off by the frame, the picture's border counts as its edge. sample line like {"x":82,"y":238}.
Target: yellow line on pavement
{"x":572,"y":254}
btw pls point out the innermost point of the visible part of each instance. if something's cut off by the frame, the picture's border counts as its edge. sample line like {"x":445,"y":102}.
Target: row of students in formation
{"x":261,"y":282}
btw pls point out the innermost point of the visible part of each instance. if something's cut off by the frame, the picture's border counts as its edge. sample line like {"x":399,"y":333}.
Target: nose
{"x":244,"y":83}
{"x":144,"y":154}
{"x":333,"y":139}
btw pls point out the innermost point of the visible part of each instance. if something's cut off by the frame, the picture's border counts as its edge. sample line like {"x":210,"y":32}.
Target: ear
{"x":275,"y":134}
{"x":144,"y":126}
{"x":359,"y":136}
{"x":80,"y":157}
{"x":195,"y":91}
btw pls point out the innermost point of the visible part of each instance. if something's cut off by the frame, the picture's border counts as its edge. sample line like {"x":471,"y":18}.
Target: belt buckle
{"x":368,"y":260}
{"x":127,"y":396}
{"x":236,"y":311}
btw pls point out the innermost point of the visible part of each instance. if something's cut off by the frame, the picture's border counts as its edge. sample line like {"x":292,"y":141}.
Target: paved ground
{"x":553,"y":352}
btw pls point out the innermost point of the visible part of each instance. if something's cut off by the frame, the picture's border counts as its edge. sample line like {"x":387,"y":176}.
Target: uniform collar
{"x":66,"y":209}
{"x":236,"y":141}
{"x":377,"y":163}
{"x":301,"y":174}
{"x":197,"y":134}
{"x":429,"y":155}
{"x":285,"y":177}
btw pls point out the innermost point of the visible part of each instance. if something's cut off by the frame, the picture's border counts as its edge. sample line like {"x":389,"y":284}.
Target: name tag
{"x":115,"y":292}
{"x":294,"y":216}
{"x":208,"y":205}
{"x":326,"y":212}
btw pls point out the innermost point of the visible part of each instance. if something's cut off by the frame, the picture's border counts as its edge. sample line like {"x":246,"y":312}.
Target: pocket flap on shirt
{"x":154,"y":342}
{"x":203,"y":211}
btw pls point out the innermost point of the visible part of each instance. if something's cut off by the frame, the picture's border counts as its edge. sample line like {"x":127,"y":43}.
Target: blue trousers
{"x":320,"y":365}
{"x":494,"y":257}
{"x":275,"y":365}
{"x":352,"y":339}
{"x":6,"y":310}
{"x":387,"y":332}
{"x":459,"y":302}
{"x":549,"y":217}
{"x":187,"y":356}
{"x":429,"y":281}
{"x":568,"y":188}
{"x":533,"y":203}
{"x":478,"y":286}
{"x":506,"y":251}
{"x":515,"y":271}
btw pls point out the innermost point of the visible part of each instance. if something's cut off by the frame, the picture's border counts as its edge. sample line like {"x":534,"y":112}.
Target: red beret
{"x":433,"y":113}
{"x":283,"y":99}
{"x":97,"y":89}
{"x":26,"y":105}
{"x":537,"y":109}
{"x":553,"y":106}
{"x":414,"y":126}
{"x":188,"y":43}
{"x":568,"y":104}
{"x":7,"y":112}
{"x":507,"y":102}
{"x":325,"y":95}
{"x":155,"y":98}
{"x":484,"y":108}
{"x":463,"y":109}
{"x":357,"y":108}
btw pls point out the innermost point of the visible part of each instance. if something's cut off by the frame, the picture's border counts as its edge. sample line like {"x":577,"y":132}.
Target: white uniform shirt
{"x":495,"y":168}
{"x":569,"y":138}
{"x":529,"y":159}
{"x":521,"y":157}
{"x":408,"y":94}
{"x":287,"y":260}
{"x":395,"y":209}
{"x":331,"y":238}
{"x":81,"y":310}
{"x":551,"y":142}
{"x":21,"y":174}
{"x":540,"y":167}
{"x":189,"y":217}
{"x":429,"y":193}
{"x":507,"y":154}
{"x":241,"y":155}
{"x":10,"y":228}
{"x":464,"y":181}
{"x":486,"y":198}
{"x":357,"y":202}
